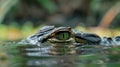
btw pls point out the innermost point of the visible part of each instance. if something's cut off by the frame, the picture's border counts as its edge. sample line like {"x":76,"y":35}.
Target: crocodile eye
{"x":63,"y":35}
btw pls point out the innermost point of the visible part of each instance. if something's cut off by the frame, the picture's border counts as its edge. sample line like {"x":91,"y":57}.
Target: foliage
{"x":21,"y":18}
{"x":15,"y":32}
{"x":48,"y":5}
{"x":5,"y":6}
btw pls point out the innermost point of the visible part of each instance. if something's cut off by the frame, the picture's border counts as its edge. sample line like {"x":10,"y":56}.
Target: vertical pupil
{"x":63,"y":35}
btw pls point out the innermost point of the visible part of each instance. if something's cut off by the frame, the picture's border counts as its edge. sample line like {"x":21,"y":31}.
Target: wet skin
{"x":62,"y":39}
{"x":66,"y":40}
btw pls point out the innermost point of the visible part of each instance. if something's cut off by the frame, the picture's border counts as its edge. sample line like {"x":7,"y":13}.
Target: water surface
{"x":24,"y":55}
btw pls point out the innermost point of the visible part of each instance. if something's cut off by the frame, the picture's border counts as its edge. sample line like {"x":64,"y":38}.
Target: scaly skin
{"x":64,"y":40}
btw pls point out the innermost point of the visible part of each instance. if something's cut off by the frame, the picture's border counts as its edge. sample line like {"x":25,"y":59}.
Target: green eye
{"x":63,"y":35}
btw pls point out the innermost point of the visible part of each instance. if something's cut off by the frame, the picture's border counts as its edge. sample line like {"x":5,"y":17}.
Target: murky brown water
{"x":13,"y":55}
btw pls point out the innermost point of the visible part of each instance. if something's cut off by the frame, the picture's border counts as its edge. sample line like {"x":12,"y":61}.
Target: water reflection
{"x":32,"y":56}
{"x":53,"y":62}
{"x":39,"y":57}
{"x":36,"y":57}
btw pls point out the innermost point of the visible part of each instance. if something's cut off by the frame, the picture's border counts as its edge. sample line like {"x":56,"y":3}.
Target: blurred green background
{"x":21,"y":18}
